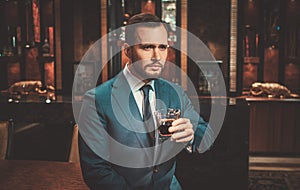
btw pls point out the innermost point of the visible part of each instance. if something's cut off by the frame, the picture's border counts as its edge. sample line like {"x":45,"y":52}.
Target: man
{"x":119,"y":145}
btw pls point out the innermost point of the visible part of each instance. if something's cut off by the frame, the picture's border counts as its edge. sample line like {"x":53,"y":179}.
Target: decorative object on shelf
{"x":271,"y":90}
{"x":30,"y":90}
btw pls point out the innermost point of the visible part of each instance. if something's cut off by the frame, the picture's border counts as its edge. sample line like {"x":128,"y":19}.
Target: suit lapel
{"x":123,"y":98}
{"x":162,"y":94}
{"x":127,"y":110}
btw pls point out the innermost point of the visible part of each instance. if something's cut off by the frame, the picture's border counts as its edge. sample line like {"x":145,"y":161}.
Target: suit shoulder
{"x":104,"y":87}
{"x":101,"y":90}
{"x":169,"y":84}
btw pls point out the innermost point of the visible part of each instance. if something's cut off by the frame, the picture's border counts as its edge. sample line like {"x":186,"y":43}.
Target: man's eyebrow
{"x":153,"y":44}
{"x":146,"y":44}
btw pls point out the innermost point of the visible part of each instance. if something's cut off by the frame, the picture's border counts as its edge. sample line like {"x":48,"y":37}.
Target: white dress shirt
{"x":135,"y":85}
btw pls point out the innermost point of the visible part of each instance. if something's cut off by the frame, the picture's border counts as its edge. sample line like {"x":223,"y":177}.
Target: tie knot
{"x":146,"y":89}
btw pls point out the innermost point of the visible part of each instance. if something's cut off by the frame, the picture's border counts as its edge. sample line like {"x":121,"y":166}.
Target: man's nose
{"x":156,"y":54}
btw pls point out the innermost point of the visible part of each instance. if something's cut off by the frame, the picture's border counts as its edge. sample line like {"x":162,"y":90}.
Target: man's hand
{"x":182,"y":130}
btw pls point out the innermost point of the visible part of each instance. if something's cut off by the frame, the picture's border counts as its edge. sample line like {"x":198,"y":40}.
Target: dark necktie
{"x":147,"y":107}
{"x":147,"y":114}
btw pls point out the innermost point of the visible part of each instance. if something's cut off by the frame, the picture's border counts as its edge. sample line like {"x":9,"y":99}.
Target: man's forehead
{"x":151,"y":35}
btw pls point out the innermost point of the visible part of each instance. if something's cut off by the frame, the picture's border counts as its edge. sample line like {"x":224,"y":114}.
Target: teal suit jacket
{"x":109,"y":117}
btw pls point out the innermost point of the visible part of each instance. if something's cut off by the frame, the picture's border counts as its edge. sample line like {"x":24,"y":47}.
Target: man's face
{"x":149,"y":52}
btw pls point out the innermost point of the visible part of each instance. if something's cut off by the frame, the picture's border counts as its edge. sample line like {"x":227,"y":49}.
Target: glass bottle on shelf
{"x":203,"y":84}
{"x":46,"y":48}
{"x":11,"y":43}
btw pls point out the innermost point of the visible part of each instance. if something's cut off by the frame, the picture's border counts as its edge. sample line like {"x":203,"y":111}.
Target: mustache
{"x":156,"y":63}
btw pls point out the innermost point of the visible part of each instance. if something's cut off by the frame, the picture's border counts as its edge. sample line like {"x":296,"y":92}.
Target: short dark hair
{"x":142,"y":19}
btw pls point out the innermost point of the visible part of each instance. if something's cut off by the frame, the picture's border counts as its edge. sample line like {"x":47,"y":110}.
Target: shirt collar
{"x":135,"y":83}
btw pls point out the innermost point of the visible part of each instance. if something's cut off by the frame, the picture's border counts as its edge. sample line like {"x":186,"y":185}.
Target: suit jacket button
{"x":155,"y":169}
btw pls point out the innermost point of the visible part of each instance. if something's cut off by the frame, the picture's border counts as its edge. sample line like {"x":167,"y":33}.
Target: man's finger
{"x":180,"y":121}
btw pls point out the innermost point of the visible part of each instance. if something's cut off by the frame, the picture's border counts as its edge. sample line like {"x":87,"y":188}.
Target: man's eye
{"x":162,"y":47}
{"x":147,"y":47}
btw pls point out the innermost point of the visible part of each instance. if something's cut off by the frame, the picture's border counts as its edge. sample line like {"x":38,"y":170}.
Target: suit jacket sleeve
{"x":97,"y":172}
{"x":204,"y":135}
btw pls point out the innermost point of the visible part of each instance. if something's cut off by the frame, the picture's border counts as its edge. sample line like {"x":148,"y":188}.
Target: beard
{"x":149,"y":71}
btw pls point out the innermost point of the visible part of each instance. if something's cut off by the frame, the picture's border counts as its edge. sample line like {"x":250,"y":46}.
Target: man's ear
{"x":127,"y":50}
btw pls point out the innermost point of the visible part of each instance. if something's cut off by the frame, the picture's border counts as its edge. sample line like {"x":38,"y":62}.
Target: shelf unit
{"x":27,"y":45}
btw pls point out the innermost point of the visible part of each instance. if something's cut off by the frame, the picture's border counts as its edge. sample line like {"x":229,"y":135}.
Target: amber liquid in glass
{"x":164,"y":126}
